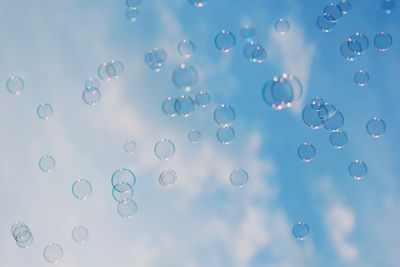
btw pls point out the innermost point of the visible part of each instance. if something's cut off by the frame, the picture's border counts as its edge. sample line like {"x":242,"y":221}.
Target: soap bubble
{"x":167,"y":178}
{"x":383,"y":41}
{"x":185,"y":77}
{"x":194,"y":136}
{"x":225,"y":41}
{"x":80,"y":234}
{"x":47,"y":163}
{"x":130,"y":146}
{"x":306,"y":152}
{"x":81,"y":189}
{"x":332,"y":12}
{"x":122,"y":191}
{"x":186,"y":48}
{"x":324,"y":24}
{"x":225,"y":135}
{"x":53,"y":253}
{"x":224,"y":114}
{"x":123,"y":175}
{"x":184,"y":105}
{"x":248,"y":33}
{"x":361,"y":77}
{"x":133,"y":14}
{"x":91,"y":96}
{"x":202,"y":99}
{"x":300,"y":230}
{"x":44,"y":111}
{"x":254,"y":52}
{"x":127,"y":208}
{"x":358,"y":169}
{"x":388,"y":6}
{"x":338,"y":139}
{"x":168,"y":106}
{"x":311,"y":117}
{"x":376,"y":127}
{"x":282,"y":26}
{"x":15,"y":85}
{"x":156,"y":58}
{"x":345,"y":6}
{"x":239,"y":178}
{"x":164,"y":149}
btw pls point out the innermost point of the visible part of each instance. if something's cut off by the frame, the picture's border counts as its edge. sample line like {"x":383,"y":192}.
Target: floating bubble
{"x":53,"y":253}
{"x":335,"y":122}
{"x":254,"y":52}
{"x":338,"y":139}
{"x":47,"y":163}
{"x":122,"y":191}
{"x":198,"y":3}
{"x":361,"y":77}
{"x":186,"y":48}
{"x":383,"y":41}
{"x":300,"y":230}
{"x":345,"y":6}
{"x":324,"y":24}
{"x":102,"y":72}
{"x":239,"y":178}
{"x":164,"y":149}
{"x":306,"y":152}
{"x":225,"y":41}
{"x":184,"y":105}
{"x":248,"y":33}
{"x":358,"y":43}
{"x":115,"y":68}
{"x":167,"y":178}
{"x":132,"y":14}
{"x":224,"y":114}
{"x":130,"y":146}
{"x":388,"y":6}
{"x":80,"y":234}
{"x":133,"y":3}
{"x":127,"y":208}
{"x":333,"y":12}
{"x":44,"y":111}
{"x":156,"y":58}
{"x":225,"y":135}
{"x":91,"y":96}
{"x":358,"y":169}
{"x":168,"y":106}
{"x":282,"y":26}
{"x":123,"y":175}
{"x":81,"y":189}
{"x":92,"y":82}
{"x":15,"y":85}
{"x":194,"y":136}
{"x":311,"y":117}
{"x":185,"y":77}
{"x":202,"y":99}
{"x":282,"y":92}
{"x":346,"y":53}
{"x":326,"y":112}
{"x":376,"y":127}
{"x":22,"y":234}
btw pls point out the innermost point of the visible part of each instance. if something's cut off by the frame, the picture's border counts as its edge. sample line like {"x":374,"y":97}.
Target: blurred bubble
{"x":44,"y":111}
{"x":338,"y":139}
{"x":123,"y":175}
{"x":254,"y":52}
{"x":383,"y":41}
{"x":282,"y":26}
{"x":47,"y":163}
{"x":327,"y":111}
{"x":317,"y":103}
{"x":358,"y":169}
{"x":91,"y":96}
{"x":127,"y":208}
{"x":361,"y":77}
{"x":80,"y":234}
{"x":202,"y":99}
{"x":133,"y":14}
{"x":186,"y":48}
{"x":376,"y":127}
{"x":198,"y":3}
{"x":156,"y":58}
{"x":306,"y":152}
{"x":334,"y":122}
{"x":92,"y":82}
{"x":282,"y":92}
{"x":102,"y":72}
{"x":53,"y":253}
{"x":324,"y":24}
{"x":81,"y":189}
{"x":115,"y":68}
{"x":346,"y":53}
{"x":300,"y":230}
{"x":239,"y":178}
{"x":194,"y":136}
{"x":184,"y":105}
{"x":22,"y":234}
{"x":248,"y":33}
{"x":15,"y":85}
{"x":224,"y":115}
{"x":130,"y":146}
{"x":345,"y":6}
{"x":185,"y":77}
{"x":332,"y":12}
{"x":133,"y":3}
{"x":388,"y":6}
{"x":167,"y":178}
{"x":311,"y":117}
{"x":168,"y":107}
{"x":225,"y":135}
{"x":225,"y":41}
{"x":122,"y":191}
{"x":164,"y":149}
{"x":357,"y":43}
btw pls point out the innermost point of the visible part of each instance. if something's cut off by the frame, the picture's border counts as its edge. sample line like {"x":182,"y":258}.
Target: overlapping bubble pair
{"x":123,"y":181}
{"x":253,"y":51}
{"x":22,"y":234}
{"x":224,"y":115}
{"x":332,"y":14}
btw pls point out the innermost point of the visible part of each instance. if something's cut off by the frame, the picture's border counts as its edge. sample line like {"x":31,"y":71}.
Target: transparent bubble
{"x":123,"y":175}
{"x":122,"y":191}
{"x":300,"y":230}
{"x":127,"y":208}
{"x":225,"y":135}
{"x":254,"y":52}
{"x":338,"y":139}
{"x":184,"y":105}
{"x":197,"y":3}
{"x":168,"y":106}
{"x":91,"y":96}
{"x":80,"y":234}
{"x":358,"y":169}
{"x":324,"y":24}
{"x":376,"y":127}
{"x":130,"y":146}
{"x":202,"y":99}
{"x":333,"y":12}
{"x":358,"y":43}
{"x":47,"y":163}
{"x":317,"y":103}
{"x":346,"y":53}
{"x":248,"y":33}
{"x":326,"y":112}
{"x":281,"y":92}
{"x":361,"y":77}
{"x":133,"y":3}
{"x":239,"y":178}
{"x":311,"y":117}
{"x":306,"y":152}
{"x":44,"y":111}
{"x":92,"y":82}
{"x":22,"y":234}
{"x":225,"y":41}
{"x":102,"y":72}
{"x":224,"y":114}
{"x":81,"y":189}
{"x":335,"y":122}
{"x":15,"y":85}
{"x":282,"y":26}
{"x":115,"y":68}
{"x":345,"y":6}
{"x":167,"y":178}
{"x":186,"y":48}
{"x":53,"y":253}
{"x":156,"y":58}
{"x":194,"y":136}
{"x":388,"y":6}
{"x":185,"y":77}
{"x":164,"y":149}
{"x":133,"y":14}
{"x":383,"y":41}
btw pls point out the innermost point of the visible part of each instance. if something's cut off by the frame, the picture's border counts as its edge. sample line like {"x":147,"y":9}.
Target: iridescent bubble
{"x":332,"y":12}
{"x":167,"y":178}
{"x":92,"y":82}
{"x":47,"y":163}
{"x":91,"y":96}
{"x":185,"y":77}
{"x":168,"y":106}
{"x":358,"y":169}
{"x":282,"y":26}
{"x":225,"y":135}
{"x":361,"y":77}
{"x":102,"y":72}
{"x":225,"y":41}
{"x":194,"y":136}
{"x":388,"y":6}
{"x":133,"y":3}
{"x":376,"y":127}
{"x":53,"y":253}
{"x":164,"y":149}
{"x":184,"y":105}
{"x":133,"y":14}
{"x":239,"y":177}
{"x":80,"y":234}
{"x":306,"y":152}
{"x":311,"y":117}
{"x":248,"y":33}
{"x":338,"y":139}
{"x":202,"y":99}
{"x":383,"y":41}
{"x":81,"y":189}
{"x":44,"y":111}
{"x":156,"y":58}
{"x":186,"y":48}
{"x":123,"y":175}
{"x":224,"y":114}
{"x":127,"y":208}
{"x":324,"y":24}
{"x":254,"y":52}
{"x":122,"y":191}
{"x":198,"y":3}
{"x":345,"y":6}
{"x":15,"y":85}
{"x":300,"y":230}
{"x":358,"y":43}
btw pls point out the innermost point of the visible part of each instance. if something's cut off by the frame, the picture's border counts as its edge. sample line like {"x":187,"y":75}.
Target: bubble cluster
{"x":133,"y":9}
{"x":376,"y":127}
{"x":300,"y":230}
{"x":239,"y":178}
{"x":22,"y":234}
{"x":225,"y":41}
{"x":167,"y":178}
{"x":185,"y":77}
{"x":164,"y":149}
{"x":156,"y":58}
{"x":81,"y":189}
{"x":224,"y":115}
{"x":80,"y":234}
{"x":44,"y":111}
{"x":282,"y":26}
{"x":358,"y":169}
{"x":15,"y":85}
{"x":53,"y":253}
{"x":123,"y":181}
{"x":47,"y":163}
{"x":186,"y":48}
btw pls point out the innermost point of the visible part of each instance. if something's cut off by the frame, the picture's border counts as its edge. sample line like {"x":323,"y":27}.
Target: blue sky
{"x":202,"y":219}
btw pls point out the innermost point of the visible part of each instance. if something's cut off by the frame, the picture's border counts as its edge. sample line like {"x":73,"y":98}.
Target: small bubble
{"x":248,"y":33}
{"x":358,"y":169}
{"x":282,"y":26}
{"x":164,"y":149}
{"x":186,"y":48}
{"x":306,"y":152}
{"x":202,"y":99}
{"x":224,"y":114}
{"x":376,"y":127}
{"x":167,"y":178}
{"x":44,"y":111}
{"x":300,"y":230}
{"x":53,"y":253}
{"x":130,"y":147}
{"x":225,"y":41}
{"x":239,"y":178}
{"x":81,"y":189}
{"x":383,"y":41}
{"x":15,"y":85}
{"x":338,"y":139}
{"x":361,"y":78}
{"x":127,"y":208}
{"x":47,"y":163}
{"x":194,"y":136}
{"x":91,"y":96}
{"x":185,"y":77}
{"x":80,"y":234}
